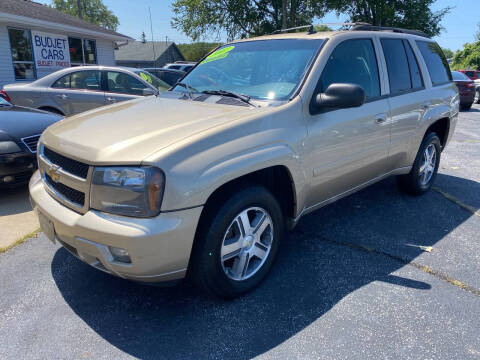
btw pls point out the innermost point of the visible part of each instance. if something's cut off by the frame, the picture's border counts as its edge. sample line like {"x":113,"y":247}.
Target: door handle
{"x":380,"y":118}
{"x":426,"y":105}
{"x":111,"y":99}
{"x":62,"y":96}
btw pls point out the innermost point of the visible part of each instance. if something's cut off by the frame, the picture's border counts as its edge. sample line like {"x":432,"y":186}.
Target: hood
{"x":19,"y":122}
{"x":126,"y":133}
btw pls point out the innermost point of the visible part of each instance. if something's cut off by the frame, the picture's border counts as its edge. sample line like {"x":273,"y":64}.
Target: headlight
{"x":7,"y":147}
{"x":129,"y":191}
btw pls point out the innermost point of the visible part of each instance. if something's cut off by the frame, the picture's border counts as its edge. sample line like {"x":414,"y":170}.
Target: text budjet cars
{"x":203,"y":181}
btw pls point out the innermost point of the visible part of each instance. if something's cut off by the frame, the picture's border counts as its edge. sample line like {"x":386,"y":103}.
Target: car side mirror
{"x":341,"y":96}
{"x":148,"y":92}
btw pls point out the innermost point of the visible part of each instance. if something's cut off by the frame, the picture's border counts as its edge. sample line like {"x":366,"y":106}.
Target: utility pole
{"x":79,"y":8}
{"x":153,"y":41}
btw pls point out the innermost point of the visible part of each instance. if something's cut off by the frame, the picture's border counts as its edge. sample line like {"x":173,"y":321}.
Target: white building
{"x":36,"y":40}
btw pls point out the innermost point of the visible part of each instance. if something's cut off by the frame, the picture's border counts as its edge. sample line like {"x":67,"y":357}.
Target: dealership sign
{"x":51,"y":51}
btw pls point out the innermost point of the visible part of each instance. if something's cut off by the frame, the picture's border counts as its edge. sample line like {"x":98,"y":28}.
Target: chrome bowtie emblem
{"x":54,"y":173}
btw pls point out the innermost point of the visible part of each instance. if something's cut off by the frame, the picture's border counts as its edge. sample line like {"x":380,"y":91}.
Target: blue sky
{"x":460,"y":25}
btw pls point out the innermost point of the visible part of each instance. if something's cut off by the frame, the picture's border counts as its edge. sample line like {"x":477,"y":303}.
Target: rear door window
{"x":397,"y":65}
{"x":353,"y":61}
{"x":415,"y":74}
{"x":437,"y":65}
{"x":80,"y":80}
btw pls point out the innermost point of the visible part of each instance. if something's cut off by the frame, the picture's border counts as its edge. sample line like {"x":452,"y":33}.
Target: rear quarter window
{"x":437,"y":65}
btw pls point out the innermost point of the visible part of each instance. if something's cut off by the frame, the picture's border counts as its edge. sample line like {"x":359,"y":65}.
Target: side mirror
{"x":341,"y":96}
{"x":148,"y":91}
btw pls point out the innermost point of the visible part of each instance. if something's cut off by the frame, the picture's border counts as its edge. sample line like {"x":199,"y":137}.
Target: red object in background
{"x":5,"y":95}
{"x":472,"y":74}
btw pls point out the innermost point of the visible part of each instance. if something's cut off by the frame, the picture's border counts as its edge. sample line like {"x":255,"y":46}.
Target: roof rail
{"x":311,"y":30}
{"x":369,"y":27}
{"x":311,"y":27}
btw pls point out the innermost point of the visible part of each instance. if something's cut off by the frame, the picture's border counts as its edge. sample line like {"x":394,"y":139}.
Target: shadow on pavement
{"x":14,"y":201}
{"x":310,"y":276}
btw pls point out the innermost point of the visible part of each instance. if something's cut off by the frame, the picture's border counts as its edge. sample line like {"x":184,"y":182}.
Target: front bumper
{"x":16,"y":169}
{"x":159,"y":247}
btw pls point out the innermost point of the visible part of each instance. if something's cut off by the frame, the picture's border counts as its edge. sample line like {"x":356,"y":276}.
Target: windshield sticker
{"x":146,"y":77}
{"x":219,"y":54}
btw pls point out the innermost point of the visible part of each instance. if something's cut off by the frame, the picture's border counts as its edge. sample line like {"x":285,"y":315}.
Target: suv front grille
{"x":71,"y":166}
{"x":74,"y":196}
{"x":31,"y":143}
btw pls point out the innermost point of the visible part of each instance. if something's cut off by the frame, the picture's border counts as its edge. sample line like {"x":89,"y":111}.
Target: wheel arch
{"x":277,"y":179}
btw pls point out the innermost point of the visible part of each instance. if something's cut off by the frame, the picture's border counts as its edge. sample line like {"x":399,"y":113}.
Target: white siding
{"x":7,"y":75}
{"x":105,"y":52}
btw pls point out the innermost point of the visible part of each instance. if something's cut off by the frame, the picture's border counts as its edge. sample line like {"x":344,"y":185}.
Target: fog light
{"x":120,"y":255}
{"x":8,"y":179}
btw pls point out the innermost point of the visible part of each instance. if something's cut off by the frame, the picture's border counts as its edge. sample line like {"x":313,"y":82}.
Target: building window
{"x":90,"y":51}
{"x":22,"y":54}
{"x":82,"y":51}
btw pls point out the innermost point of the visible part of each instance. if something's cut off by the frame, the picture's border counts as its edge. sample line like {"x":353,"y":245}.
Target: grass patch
{"x":33,"y":234}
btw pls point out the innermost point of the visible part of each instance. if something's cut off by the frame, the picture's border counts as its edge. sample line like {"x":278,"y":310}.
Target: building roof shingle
{"x":42,"y":12}
{"x":139,"y":51}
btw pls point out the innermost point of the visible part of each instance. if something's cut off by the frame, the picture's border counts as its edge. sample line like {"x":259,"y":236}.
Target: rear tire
{"x":477,"y":96}
{"x":227,"y":255}
{"x":425,"y":167}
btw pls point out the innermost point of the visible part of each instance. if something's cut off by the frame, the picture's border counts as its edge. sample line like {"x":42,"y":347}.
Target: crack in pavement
{"x":406,"y":261}
{"x":456,"y":201}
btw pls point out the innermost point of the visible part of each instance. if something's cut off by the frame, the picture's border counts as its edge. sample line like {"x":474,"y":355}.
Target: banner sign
{"x":51,"y":51}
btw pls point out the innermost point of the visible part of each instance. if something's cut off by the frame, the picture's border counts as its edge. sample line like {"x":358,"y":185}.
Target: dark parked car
{"x":472,"y":74}
{"x":20,"y":129}
{"x":170,"y":76}
{"x":466,"y":89}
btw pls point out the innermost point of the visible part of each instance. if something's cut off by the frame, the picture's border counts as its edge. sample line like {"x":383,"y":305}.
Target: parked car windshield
{"x":457,"y":75}
{"x":260,"y":69}
{"x":3,"y":102}
{"x":153,"y":80}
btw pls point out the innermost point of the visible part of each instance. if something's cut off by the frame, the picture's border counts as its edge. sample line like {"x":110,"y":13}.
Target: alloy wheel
{"x":429,"y":162}
{"x":247,"y":243}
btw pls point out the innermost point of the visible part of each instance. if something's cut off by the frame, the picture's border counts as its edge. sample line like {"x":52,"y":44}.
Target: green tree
{"x":448,"y":53}
{"x":93,"y":11}
{"x":244,"y":18}
{"x":196,"y":51}
{"x":467,"y":58}
{"x":408,"y":14}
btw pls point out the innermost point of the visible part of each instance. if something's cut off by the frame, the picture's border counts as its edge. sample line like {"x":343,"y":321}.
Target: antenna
{"x":153,"y":41}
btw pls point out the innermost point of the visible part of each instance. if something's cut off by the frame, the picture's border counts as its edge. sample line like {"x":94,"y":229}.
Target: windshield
{"x":261,"y":69}
{"x":153,"y":80}
{"x":459,"y":76}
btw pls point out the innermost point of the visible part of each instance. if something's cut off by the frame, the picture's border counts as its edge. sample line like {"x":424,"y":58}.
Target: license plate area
{"x":46,"y":225}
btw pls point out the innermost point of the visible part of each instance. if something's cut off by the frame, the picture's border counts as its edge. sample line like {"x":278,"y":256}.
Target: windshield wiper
{"x":188,"y":87}
{"x":242,"y":97}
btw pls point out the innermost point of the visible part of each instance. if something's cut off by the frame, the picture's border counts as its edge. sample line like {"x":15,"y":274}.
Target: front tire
{"x":425,"y":167}
{"x":466,"y":107}
{"x":237,"y":243}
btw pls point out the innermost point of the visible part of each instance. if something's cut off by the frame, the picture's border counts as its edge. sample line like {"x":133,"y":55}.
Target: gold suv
{"x":202,"y":180}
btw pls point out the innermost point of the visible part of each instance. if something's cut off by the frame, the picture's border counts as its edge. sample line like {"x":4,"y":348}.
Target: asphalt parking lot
{"x":378,"y":275}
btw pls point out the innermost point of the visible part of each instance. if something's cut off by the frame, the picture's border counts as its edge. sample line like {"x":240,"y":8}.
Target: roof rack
{"x":369,"y":27}
{"x":311,"y":30}
{"x":354,"y":26}
{"x":311,"y":27}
